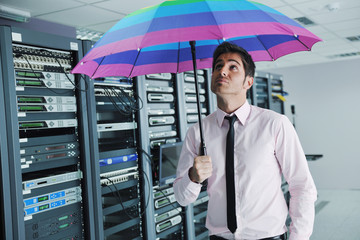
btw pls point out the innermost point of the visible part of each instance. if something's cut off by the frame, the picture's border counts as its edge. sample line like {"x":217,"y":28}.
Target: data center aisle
{"x":337,"y":215}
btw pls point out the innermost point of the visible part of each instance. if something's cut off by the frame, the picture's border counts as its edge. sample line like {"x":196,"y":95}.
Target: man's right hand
{"x":201,"y":169}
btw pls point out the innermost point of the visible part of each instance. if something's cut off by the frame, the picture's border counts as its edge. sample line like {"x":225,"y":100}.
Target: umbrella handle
{"x":193,"y":53}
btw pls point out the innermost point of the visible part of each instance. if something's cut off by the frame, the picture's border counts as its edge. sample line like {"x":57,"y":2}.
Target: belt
{"x":279,"y":237}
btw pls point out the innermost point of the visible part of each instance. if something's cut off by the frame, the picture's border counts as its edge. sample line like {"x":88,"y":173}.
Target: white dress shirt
{"x":266,"y":145}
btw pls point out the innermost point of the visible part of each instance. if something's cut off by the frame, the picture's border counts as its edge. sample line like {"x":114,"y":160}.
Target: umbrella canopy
{"x":162,"y":39}
{"x":156,"y":39}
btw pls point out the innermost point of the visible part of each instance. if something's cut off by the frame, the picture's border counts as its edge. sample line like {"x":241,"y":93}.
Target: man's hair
{"x":227,"y":47}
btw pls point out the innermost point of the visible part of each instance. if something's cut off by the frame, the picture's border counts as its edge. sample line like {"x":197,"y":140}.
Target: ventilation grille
{"x":341,"y":55}
{"x":354,"y":38}
{"x":304,"y":21}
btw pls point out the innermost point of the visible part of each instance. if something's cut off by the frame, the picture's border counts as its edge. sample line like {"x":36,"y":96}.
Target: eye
{"x":218,"y":66}
{"x":233,"y":67}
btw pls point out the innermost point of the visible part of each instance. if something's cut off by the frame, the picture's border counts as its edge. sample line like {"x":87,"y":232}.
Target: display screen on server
{"x":169,"y":157}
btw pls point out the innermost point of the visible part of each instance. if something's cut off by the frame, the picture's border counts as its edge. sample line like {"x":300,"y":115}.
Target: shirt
{"x":266,"y":146}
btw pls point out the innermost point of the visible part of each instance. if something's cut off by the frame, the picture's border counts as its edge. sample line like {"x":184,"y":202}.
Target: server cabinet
{"x":277,"y":93}
{"x":261,"y":90}
{"x":160,"y":124}
{"x":5,"y":196}
{"x":46,"y":137}
{"x":115,"y":166}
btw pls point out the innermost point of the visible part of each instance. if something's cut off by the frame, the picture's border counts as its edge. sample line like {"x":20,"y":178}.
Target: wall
{"x":327,"y":99}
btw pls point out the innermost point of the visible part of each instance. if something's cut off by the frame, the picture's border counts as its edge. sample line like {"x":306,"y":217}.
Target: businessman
{"x":248,"y":150}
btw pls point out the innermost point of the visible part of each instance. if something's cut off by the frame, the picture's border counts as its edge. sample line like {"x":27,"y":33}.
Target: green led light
{"x":34,"y":83}
{"x":30,"y":108}
{"x":28,"y":74}
{"x":25,"y":99}
{"x":43,"y":198}
{"x":165,"y":225}
{"x":43,"y":207}
{"x":31,"y":125}
{"x":63,"y":226}
{"x":63,"y":218}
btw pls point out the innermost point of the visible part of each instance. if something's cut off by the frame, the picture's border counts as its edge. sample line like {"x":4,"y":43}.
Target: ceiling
{"x":334,"y":21}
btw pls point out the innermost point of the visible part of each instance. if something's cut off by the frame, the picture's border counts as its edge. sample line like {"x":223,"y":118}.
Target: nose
{"x":223,"y":72}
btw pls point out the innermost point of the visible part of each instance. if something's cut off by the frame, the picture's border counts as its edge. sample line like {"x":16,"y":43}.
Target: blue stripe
{"x":201,"y":19}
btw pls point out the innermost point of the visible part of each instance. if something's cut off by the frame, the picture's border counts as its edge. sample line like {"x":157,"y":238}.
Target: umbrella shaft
{"x":193,"y":53}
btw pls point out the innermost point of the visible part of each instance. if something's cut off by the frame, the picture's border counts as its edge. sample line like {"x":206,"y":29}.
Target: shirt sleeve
{"x":185,"y":190}
{"x":292,"y":160}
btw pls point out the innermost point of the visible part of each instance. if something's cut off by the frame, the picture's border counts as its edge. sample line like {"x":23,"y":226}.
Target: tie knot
{"x":231,"y":119}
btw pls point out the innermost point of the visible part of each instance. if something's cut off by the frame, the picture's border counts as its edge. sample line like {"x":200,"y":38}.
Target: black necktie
{"x":230,"y":179}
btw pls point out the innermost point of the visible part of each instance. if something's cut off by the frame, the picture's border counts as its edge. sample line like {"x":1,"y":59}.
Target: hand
{"x":201,"y":169}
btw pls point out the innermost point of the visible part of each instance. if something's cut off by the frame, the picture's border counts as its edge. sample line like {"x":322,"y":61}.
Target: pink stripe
{"x":200,"y":64}
{"x":116,"y":47}
{"x":197,"y":33}
{"x":113,"y":70}
{"x":87,"y":68}
{"x":287,"y":48}
{"x":261,"y":55}
{"x":309,"y":42}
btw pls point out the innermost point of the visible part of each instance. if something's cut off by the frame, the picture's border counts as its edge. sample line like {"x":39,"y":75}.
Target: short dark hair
{"x":227,"y":47}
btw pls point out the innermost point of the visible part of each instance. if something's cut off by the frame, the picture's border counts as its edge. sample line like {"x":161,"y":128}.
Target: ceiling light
{"x":14,"y":14}
{"x":87,"y":34}
{"x":333,"y":7}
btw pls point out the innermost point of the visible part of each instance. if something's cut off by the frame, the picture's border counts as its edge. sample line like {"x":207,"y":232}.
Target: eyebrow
{"x":229,"y":60}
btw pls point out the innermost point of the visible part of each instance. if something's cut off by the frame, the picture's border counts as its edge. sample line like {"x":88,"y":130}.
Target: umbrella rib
{"x":134,"y":62}
{"x":178,"y":60}
{"x":265,"y":47}
{"x":297,"y":38}
{"x":98,"y":66}
{"x":217,"y":25}
{"x":272,"y":17}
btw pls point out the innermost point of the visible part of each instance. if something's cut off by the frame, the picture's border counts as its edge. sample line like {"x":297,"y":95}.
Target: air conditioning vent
{"x":342,"y":55}
{"x":354,"y":38}
{"x":304,"y":21}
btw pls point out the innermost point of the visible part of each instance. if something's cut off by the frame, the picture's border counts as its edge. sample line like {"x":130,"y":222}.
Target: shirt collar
{"x":241,"y":113}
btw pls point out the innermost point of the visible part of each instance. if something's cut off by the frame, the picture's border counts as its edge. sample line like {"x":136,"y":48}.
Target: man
{"x":265,"y":145}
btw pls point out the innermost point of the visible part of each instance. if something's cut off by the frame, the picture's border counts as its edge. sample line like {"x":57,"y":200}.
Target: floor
{"x":337,"y":215}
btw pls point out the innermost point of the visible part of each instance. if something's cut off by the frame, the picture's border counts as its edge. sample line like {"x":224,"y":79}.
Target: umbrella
{"x":181,"y":35}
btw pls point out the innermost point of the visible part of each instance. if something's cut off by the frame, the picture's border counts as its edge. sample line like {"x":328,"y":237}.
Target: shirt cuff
{"x":192,"y":186}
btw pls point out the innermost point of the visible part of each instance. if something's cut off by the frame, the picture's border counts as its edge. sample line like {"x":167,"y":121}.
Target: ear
{"x":249,"y":81}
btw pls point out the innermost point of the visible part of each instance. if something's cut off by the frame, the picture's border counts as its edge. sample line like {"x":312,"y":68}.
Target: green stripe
{"x":174,"y":3}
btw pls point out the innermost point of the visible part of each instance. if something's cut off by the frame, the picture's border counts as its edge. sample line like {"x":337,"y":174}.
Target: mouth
{"x":221,"y":80}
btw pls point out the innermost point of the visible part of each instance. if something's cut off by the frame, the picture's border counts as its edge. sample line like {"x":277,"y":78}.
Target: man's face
{"x":228,"y":77}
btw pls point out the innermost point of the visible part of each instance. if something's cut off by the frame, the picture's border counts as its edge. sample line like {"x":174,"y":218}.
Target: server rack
{"x":159,"y":125}
{"x":277,"y":93}
{"x":261,"y":90}
{"x":47,"y":173}
{"x":115,"y":165}
{"x":5,"y":194}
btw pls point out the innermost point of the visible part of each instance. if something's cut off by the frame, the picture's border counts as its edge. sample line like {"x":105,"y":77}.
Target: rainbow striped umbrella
{"x":156,"y":39}
{"x":162,"y":38}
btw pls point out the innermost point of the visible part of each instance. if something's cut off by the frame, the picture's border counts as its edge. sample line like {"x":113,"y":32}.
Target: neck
{"x":228,"y":104}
